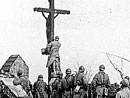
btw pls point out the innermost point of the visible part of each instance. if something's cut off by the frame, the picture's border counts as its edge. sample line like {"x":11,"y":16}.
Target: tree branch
{"x":121,"y":74}
{"x":121,"y":63}
{"x":116,"y":56}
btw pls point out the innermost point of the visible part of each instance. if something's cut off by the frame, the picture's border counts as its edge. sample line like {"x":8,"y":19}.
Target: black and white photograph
{"x":65,"y":49}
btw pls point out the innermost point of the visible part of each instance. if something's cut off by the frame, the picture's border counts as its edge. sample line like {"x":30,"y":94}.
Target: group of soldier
{"x":75,"y":85}
{"x":71,"y":86}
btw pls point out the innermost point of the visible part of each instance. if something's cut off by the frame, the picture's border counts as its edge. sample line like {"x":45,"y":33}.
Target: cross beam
{"x":46,"y":10}
{"x":50,"y":18}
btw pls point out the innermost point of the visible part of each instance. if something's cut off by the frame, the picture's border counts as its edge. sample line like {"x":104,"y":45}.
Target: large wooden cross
{"x":53,"y":13}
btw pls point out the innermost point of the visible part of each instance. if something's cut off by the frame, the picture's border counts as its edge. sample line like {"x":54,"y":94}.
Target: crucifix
{"x":53,"y":13}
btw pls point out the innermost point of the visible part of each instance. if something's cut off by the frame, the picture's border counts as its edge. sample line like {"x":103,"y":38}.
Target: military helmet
{"x":57,"y":38}
{"x":19,"y":72}
{"x":68,"y":71}
{"x":127,"y":77}
{"x":40,"y":76}
{"x":59,"y":74}
{"x":101,"y":67}
{"x":124,"y":83}
{"x":81,"y":69}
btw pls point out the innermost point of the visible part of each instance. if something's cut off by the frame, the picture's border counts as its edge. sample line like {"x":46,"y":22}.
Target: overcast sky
{"x":93,"y":26}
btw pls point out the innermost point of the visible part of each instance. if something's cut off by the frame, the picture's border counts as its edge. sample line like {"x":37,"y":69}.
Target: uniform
{"x":80,"y":83}
{"x":68,"y":85}
{"x":53,"y":49}
{"x":128,"y":78}
{"x":40,"y":89}
{"x":51,"y":82}
{"x":125,"y":92}
{"x":24,"y":82}
{"x":56,"y":84}
{"x":101,"y":82}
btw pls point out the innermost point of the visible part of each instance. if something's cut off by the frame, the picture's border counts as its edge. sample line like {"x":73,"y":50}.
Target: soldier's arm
{"x":75,"y":80}
{"x":50,"y":84}
{"x":94,"y":81}
{"x":30,"y":85}
{"x":48,"y":47}
{"x":46,"y":86}
{"x":85,"y":80}
{"x":108,"y":81}
{"x":34,"y":87}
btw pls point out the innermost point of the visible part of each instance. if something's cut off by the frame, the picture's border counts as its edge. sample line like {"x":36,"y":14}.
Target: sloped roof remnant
{"x":9,"y":63}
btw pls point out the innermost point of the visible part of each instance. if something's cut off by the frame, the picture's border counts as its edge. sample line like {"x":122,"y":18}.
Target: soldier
{"x":80,"y":83}
{"x":24,"y":82}
{"x":54,"y":58}
{"x":40,"y":88}
{"x":53,"y":78}
{"x":68,"y":84}
{"x":101,"y":83}
{"x":128,"y":78}
{"x":57,"y":86}
{"x":124,"y":92}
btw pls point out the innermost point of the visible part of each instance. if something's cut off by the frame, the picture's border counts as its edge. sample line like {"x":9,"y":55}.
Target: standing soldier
{"x":54,"y":58}
{"x":80,"y":83}
{"x":68,"y":84}
{"x":124,"y":92}
{"x":128,"y":78}
{"x":101,"y":83}
{"x":40,"y":88}
{"x":53,"y":78}
{"x":56,"y":85}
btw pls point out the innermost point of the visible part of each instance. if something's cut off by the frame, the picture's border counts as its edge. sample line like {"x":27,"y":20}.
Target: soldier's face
{"x":57,"y":39}
{"x":68,"y":73}
{"x":40,"y":79}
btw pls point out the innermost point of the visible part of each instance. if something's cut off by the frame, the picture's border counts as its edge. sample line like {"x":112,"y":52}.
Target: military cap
{"x":81,"y":69}
{"x":101,"y":67}
{"x":127,"y":77}
{"x":68,"y":71}
{"x":56,"y":38}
